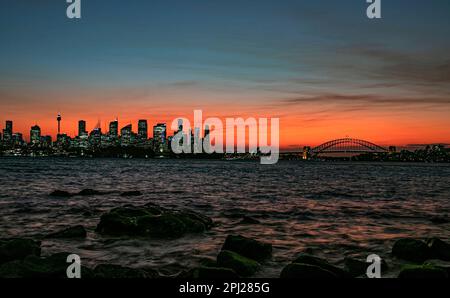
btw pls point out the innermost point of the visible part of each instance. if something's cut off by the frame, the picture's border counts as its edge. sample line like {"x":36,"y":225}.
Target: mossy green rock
{"x":411,"y":250}
{"x":298,"y":270}
{"x":422,"y":272}
{"x":240,"y":264}
{"x":323,"y":264}
{"x":17,"y":249}
{"x":247,"y":247}
{"x":153,"y":221}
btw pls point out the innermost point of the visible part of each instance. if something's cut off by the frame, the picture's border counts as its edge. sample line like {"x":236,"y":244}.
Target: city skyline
{"x":322,"y":67}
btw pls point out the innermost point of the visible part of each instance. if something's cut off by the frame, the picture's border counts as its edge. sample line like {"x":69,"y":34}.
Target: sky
{"x":322,"y":67}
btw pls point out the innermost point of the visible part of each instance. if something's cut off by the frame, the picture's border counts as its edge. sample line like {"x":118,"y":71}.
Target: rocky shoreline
{"x":239,"y":256}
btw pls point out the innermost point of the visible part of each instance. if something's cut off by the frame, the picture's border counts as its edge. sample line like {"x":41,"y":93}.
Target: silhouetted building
{"x":392,"y":149}
{"x":8,"y":132}
{"x":114,"y":129}
{"x":142,"y":130}
{"x":35,"y":135}
{"x":126,"y":135}
{"x":159,"y":137}
{"x":82,"y":128}
{"x":59,"y":123}
{"x":17,"y":139}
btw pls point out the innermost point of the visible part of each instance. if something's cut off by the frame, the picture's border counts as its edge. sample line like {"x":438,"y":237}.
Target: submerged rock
{"x":248,"y":220}
{"x":133,"y":193}
{"x":60,"y":193}
{"x":117,"y":271}
{"x":321,"y":263}
{"x":89,"y":192}
{"x":422,"y":272}
{"x":411,"y":250}
{"x":17,"y":249}
{"x":71,"y":232}
{"x":439,"y":249}
{"x":247,"y":247}
{"x":296,"y":270}
{"x":240,"y":264}
{"x":153,"y":221}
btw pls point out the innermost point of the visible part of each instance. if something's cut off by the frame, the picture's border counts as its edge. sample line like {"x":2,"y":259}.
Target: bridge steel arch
{"x":348,"y":145}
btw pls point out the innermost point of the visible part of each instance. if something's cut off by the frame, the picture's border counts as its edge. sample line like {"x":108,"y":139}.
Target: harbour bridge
{"x":347,"y":145}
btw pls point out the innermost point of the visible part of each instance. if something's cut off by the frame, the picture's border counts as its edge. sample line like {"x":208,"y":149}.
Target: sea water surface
{"x":330,"y":209}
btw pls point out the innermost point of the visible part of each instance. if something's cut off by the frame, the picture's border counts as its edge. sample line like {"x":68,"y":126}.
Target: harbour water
{"x":330,"y":209}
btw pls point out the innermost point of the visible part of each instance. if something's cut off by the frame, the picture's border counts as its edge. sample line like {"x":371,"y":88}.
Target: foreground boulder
{"x":247,"y":247}
{"x":422,"y":272}
{"x":411,"y":250}
{"x":296,"y":270}
{"x":356,"y":267}
{"x":71,"y":232}
{"x":439,"y":249}
{"x":17,"y":249}
{"x":321,"y":263}
{"x":153,"y":221}
{"x":240,"y":264}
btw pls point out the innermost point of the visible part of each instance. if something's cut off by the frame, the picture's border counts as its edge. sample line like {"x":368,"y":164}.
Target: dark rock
{"x":71,"y":232}
{"x":439,"y":249}
{"x":60,"y":193}
{"x":133,"y":193}
{"x":321,"y":263}
{"x":411,"y":250}
{"x":440,"y":220}
{"x":17,"y":249}
{"x":54,"y":266}
{"x":210,"y":273}
{"x":241,"y":265}
{"x":248,"y":220}
{"x":422,"y":272}
{"x":247,"y":247}
{"x":439,"y":264}
{"x":89,"y":192}
{"x":297,"y":270}
{"x":357,"y":267}
{"x":153,"y":221}
{"x":117,"y":271}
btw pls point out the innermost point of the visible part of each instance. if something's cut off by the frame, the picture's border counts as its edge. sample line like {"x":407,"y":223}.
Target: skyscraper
{"x":159,"y":137}
{"x":114,"y":129}
{"x":82,"y":128}
{"x":142,"y":130}
{"x":8,"y":131}
{"x":35,"y":135}
{"x":126,"y":134}
{"x":59,"y":123}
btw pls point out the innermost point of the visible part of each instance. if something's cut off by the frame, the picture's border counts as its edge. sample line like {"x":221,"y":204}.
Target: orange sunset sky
{"x":321,"y":67}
